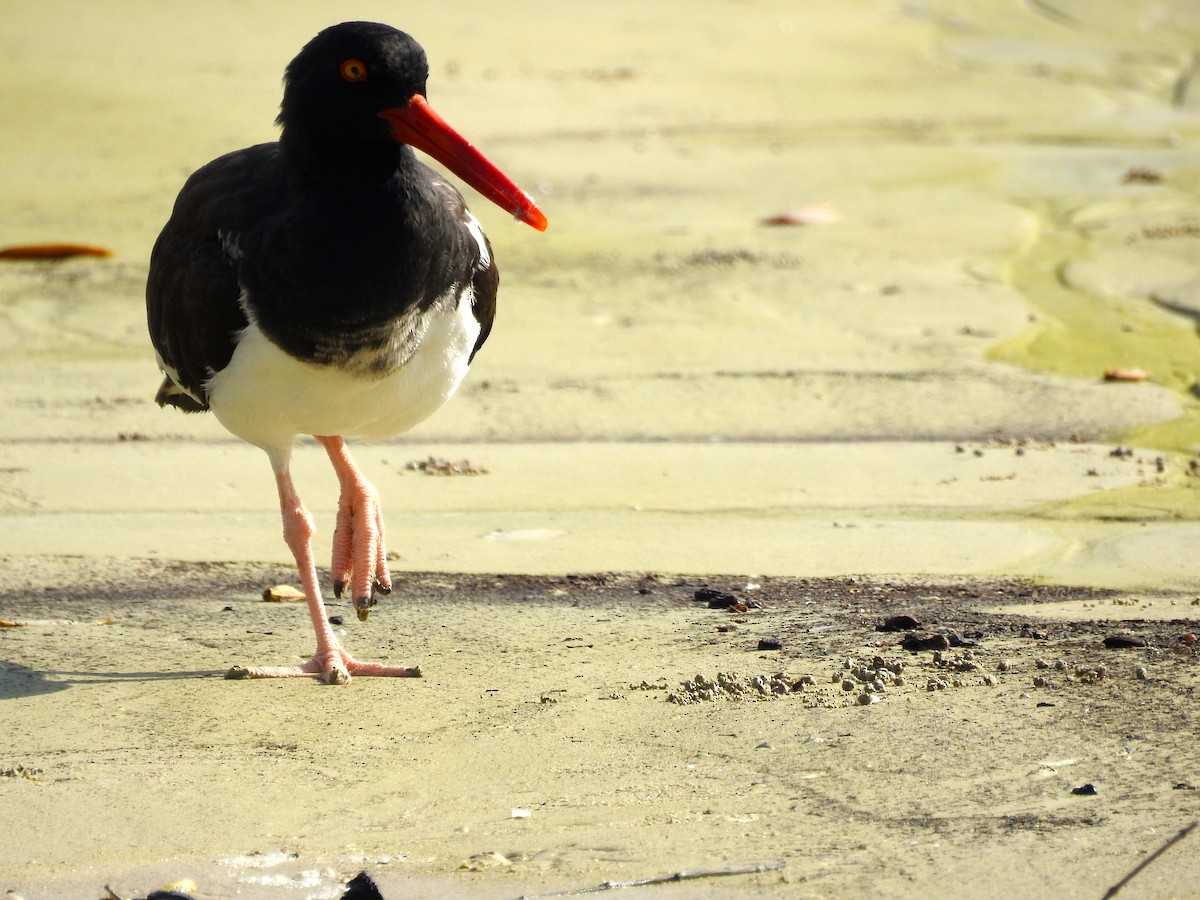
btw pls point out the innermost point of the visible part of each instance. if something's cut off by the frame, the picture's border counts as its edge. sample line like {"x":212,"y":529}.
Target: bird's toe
{"x":362,"y":606}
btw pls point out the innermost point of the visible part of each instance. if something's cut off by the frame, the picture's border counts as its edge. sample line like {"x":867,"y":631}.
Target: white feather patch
{"x":267,"y":397}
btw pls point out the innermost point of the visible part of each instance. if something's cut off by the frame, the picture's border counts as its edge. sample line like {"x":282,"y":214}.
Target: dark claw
{"x":382,"y":588}
{"x":362,"y":605}
{"x":338,"y":588}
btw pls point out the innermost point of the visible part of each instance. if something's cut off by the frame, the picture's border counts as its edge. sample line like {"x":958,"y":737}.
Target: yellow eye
{"x":354,"y":69}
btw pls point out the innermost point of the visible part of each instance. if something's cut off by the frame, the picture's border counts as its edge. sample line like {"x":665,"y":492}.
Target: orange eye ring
{"x":353,"y":70}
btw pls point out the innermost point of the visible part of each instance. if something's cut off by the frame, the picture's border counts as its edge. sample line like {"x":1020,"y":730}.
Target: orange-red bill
{"x":417,"y":125}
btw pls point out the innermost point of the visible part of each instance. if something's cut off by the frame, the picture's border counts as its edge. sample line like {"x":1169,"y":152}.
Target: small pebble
{"x":1140,"y":673}
{"x":865,"y":699}
{"x":899,"y":623}
{"x":715,"y":599}
{"x":849,"y":684}
{"x":1123,"y":641}
{"x":282,"y":593}
{"x":915,"y":642}
{"x":1087,"y":790}
{"x":361,"y":887}
{"x":770,"y":643}
{"x":163,"y":894}
{"x":1130,"y":374}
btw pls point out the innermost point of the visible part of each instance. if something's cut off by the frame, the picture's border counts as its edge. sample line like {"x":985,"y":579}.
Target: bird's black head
{"x":338,"y":84}
{"x":356,"y":93}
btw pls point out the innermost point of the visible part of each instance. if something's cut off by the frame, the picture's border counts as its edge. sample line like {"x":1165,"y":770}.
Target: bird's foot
{"x":359,"y":554}
{"x":334,"y":666}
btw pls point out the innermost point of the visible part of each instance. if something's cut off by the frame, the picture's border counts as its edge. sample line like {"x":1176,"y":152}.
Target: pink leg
{"x":359,"y":555}
{"x":331,"y":662}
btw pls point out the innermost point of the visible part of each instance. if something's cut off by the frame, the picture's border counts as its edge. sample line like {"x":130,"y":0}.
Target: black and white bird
{"x":331,"y":284}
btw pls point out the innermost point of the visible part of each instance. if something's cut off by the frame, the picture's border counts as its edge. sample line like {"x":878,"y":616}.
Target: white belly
{"x":267,"y":397}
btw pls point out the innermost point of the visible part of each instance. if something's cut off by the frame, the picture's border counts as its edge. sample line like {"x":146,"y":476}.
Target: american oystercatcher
{"x":330,"y":284}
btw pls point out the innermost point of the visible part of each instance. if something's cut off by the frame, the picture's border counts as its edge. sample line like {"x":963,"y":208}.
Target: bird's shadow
{"x":17,"y":681}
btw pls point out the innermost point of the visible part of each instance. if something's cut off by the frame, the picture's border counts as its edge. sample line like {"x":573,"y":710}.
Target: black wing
{"x":192,"y":292}
{"x":483,"y":275}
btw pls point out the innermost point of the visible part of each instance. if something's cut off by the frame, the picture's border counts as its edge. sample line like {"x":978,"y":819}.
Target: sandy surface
{"x":903,"y":398}
{"x":561,"y":697}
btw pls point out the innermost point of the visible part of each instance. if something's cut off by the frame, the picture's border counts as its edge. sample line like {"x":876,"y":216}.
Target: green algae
{"x":1077,"y":333}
